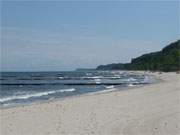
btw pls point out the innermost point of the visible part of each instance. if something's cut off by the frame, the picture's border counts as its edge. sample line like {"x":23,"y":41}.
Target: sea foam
{"x":5,"y":99}
{"x":109,"y":87}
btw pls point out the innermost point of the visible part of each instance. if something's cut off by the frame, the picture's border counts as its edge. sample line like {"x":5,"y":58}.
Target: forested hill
{"x":168,"y":59}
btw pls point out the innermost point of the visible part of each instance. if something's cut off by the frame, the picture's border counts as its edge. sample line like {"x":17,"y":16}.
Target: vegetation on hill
{"x":168,"y":59}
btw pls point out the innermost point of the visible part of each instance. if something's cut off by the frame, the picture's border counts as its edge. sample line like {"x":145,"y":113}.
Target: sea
{"x":17,"y":88}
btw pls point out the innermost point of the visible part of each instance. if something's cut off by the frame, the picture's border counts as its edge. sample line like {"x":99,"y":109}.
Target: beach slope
{"x":148,"y":110}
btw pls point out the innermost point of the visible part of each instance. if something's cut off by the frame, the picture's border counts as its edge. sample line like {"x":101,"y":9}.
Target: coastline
{"x":105,"y":112}
{"x":151,"y":80}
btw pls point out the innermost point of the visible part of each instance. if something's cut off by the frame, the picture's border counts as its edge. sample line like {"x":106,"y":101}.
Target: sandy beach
{"x":147,"y":110}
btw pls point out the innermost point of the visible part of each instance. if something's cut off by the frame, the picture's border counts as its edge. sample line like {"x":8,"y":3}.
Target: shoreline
{"x":105,"y":112}
{"x":151,"y":77}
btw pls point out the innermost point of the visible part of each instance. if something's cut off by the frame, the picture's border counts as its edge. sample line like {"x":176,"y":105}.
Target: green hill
{"x":168,"y":59}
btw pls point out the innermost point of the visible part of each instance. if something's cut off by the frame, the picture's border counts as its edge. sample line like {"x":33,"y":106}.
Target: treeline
{"x":168,"y":59}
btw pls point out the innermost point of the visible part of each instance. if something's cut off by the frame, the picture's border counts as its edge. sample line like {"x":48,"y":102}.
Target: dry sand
{"x":148,"y":110}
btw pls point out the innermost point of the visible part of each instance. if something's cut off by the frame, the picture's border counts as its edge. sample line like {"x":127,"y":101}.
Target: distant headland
{"x":168,"y":59}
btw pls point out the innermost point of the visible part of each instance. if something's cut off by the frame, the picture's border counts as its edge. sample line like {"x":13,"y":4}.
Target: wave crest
{"x":5,"y":99}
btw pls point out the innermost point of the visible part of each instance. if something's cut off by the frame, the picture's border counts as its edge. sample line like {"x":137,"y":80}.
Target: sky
{"x":61,"y":36}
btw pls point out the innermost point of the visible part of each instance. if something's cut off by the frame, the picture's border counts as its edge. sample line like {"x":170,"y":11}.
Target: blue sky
{"x":45,"y":36}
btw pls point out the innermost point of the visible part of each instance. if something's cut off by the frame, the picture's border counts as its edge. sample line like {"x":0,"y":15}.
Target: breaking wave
{"x":16,"y":97}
